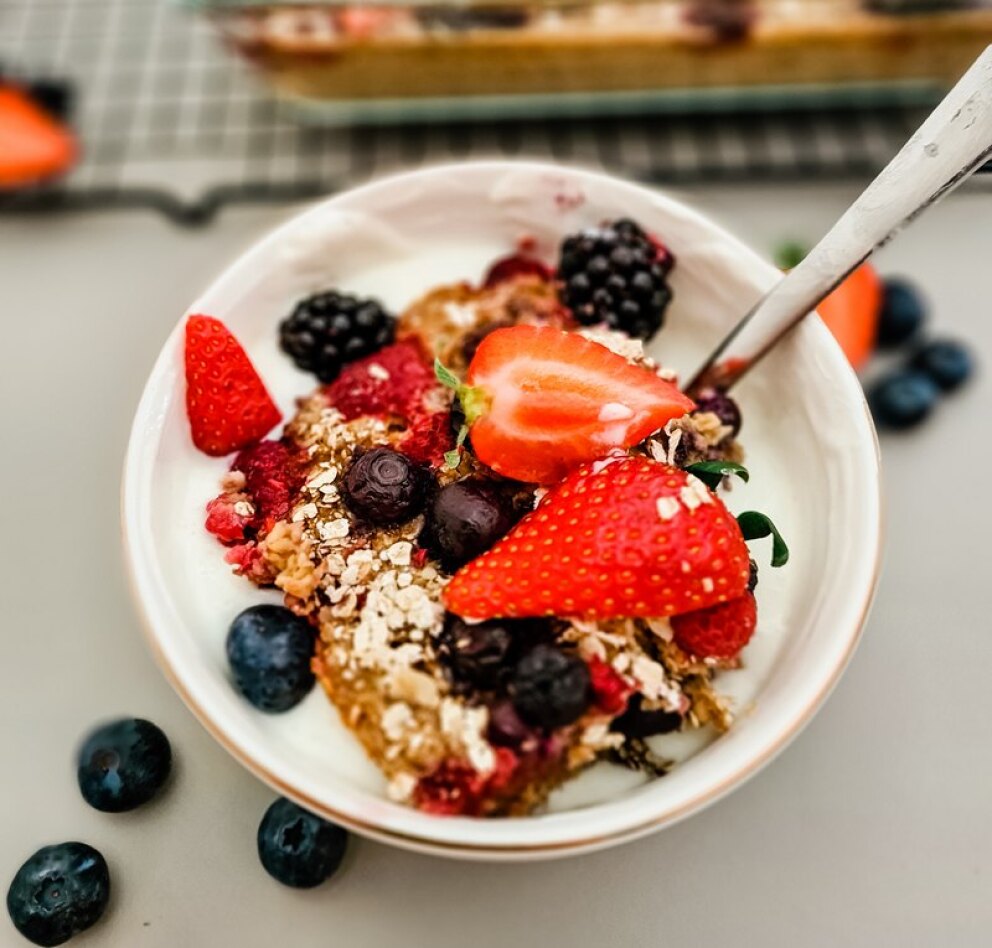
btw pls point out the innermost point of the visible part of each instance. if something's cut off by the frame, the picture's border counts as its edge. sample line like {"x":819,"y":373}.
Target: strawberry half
{"x":539,"y":401}
{"x":33,"y":145}
{"x":227,"y":403}
{"x":621,"y":537}
{"x":718,"y":632}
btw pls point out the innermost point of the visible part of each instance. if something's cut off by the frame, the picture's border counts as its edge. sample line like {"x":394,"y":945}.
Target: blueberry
{"x":550,"y":688}
{"x":640,"y":722}
{"x":297,"y":848}
{"x":383,"y":486}
{"x":902,"y":399}
{"x":903,"y":313}
{"x":123,"y":764}
{"x":946,"y":362}
{"x":59,"y":892}
{"x":269,"y":650}
{"x":480,"y":655}
{"x":464,"y":519}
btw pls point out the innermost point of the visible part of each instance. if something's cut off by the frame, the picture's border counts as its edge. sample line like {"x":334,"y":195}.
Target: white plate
{"x":811,"y":451}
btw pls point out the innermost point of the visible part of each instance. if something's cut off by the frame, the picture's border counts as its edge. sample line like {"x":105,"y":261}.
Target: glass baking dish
{"x":361,"y":60}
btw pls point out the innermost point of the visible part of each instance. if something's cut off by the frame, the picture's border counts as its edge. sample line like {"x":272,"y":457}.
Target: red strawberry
{"x":720,"y":631}
{"x":540,"y":401}
{"x":621,"y":537}
{"x":33,"y":145}
{"x":226,"y":401}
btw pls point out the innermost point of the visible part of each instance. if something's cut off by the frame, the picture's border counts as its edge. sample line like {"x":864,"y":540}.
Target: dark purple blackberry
{"x":328,"y":330}
{"x":383,"y":486}
{"x":464,"y":519}
{"x":724,"y":407}
{"x":616,"y":275}
{"x":550,"y":688}
{"x":639,"y":722}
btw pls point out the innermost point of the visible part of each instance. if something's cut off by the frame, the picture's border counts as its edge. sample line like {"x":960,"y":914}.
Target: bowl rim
{"x":144,"y":587}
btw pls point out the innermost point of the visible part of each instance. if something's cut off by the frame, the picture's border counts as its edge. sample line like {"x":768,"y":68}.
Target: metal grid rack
{"x":169,"y":119}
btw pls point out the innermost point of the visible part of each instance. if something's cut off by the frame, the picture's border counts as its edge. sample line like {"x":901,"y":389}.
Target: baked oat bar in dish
{"x":501,"y":520}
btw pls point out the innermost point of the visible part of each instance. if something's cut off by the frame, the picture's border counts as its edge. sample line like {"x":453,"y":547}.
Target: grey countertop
{"x":874,"y":827}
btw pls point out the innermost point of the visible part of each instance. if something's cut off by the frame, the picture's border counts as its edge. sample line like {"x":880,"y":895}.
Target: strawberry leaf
{"x":453,"y":458}
{"x":462,"y":435}
{"x":711,"y":473}
{"x":756,"y":525}
{"x":445,"y":376}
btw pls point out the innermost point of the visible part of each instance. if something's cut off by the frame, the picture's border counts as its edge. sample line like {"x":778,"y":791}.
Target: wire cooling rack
{"x":169,"y":119}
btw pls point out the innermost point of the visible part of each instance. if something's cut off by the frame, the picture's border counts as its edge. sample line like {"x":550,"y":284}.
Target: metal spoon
{"x":953,"y":142}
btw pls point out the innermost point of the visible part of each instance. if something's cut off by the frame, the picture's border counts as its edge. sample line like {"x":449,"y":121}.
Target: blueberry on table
{"x":902,"y":399}
{"x":123,"y":764}
{"x":59,"y":892}
{"x":550,"y":688}
{"x":383,"y":486}
{"x":948,"y":363}
{"x":297,"y":848}
{"x":464,"y":519}
{"x":903,"y":313}
{"x":269,"y":650}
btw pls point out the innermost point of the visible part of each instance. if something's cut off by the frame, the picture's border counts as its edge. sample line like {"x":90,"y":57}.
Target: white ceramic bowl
{"x":811,"y":451}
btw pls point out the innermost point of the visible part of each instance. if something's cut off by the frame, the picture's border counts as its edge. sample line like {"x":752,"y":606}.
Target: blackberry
{"x":123,"y":765}
{"x":383,"y":486}
{"x":330,"y":329}
{"x":616,"y":275}
{"x":550,"y":688}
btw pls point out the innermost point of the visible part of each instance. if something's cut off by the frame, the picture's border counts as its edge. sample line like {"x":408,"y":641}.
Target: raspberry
{"x":718,"y":632}
{"x":394,"y":381}
{"x":518,"y":264}
{"x":453,"y":789}
{"x":610,"y":690}
{"x":429,"y":438}
{"x":274,"y":472}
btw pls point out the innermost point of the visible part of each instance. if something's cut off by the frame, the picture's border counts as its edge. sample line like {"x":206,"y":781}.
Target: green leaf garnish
{"x":453,"y":458}
{"x":790,"y":254}
{"x":756,"y":525}
{"x":445,"y":376}
{"x":711,"y":473}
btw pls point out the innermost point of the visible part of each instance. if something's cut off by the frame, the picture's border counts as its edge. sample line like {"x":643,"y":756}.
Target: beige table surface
{"x":874,"y":828}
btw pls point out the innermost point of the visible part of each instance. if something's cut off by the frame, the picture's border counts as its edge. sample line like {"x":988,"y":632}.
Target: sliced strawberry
{"x":621,"y":537}
{"x":33,"y":145}
{"x":540,"y":401}
{"x":720,"y":631}
{"x":226,"y":401}
{"x":851,"y":313}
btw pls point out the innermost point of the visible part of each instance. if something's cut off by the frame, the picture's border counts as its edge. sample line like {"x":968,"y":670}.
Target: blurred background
{"x":144,"y":143}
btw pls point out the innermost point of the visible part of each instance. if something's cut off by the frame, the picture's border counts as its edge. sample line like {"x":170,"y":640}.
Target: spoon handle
{"x":952,"y":143}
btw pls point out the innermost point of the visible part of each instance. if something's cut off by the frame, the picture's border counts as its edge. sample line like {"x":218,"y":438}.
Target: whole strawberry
{"x":621,"y":537}
{"x":227,"y":403}
{"x":720,"y":631}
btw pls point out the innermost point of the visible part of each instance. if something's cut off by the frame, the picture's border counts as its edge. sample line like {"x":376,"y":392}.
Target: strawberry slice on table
{"x":226,"y":401}
{"x":33,"y":145}
{"x":621,"y":537}
{"x":540,"y":401}
{"x":720,"y":631}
